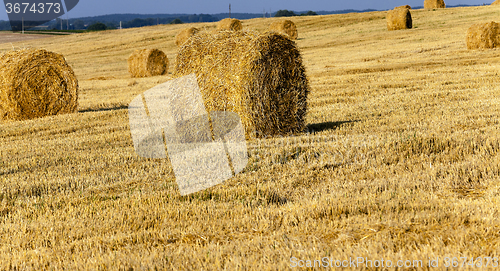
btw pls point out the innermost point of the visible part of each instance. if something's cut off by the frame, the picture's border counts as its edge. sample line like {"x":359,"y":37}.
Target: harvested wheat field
{"x":8,"y":37}
{"x":401,"y":162}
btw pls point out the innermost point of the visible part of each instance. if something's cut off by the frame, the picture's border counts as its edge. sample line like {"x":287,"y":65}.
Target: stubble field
{"x":401,"y":162}
{"x":9,"y":37}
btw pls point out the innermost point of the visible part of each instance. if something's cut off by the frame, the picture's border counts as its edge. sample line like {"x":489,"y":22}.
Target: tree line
{"x":289,"y":13}
{"x":89,"y":24}
{"x":107,"y":22}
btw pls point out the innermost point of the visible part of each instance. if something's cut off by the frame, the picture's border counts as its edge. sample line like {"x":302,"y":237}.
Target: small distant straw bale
{"x":184,"y":35}
{"x":403,"y":7}
{"x":147,"y":62}
{"x":285,"y":27}
{"x":432,"y":4}
{"x":258,"y":76}
{"x":399,"y":18}
{"x":497,"y":2}
{"x":483,"y":36}
{"x":36,"y":83}
{"x":229,"y":24}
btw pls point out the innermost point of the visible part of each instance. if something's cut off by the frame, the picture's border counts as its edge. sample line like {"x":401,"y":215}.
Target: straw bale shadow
{"x":113,"y":108}
{"x":319,"y":127}
{"x":273,"y":197}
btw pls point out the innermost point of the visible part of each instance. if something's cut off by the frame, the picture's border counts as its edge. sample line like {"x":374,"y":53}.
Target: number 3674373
{"x":33,"y":8}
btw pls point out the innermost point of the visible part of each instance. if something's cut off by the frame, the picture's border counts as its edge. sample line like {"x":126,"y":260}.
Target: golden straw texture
{"x":258,"y":76}
{"x":184,"y":35}
{"x":285,"y":27}
{"x":483,"y":36}
{"x":229,"y":24}
{"x":147,"y":62}
{"x":497,"y":2}
{"x":36,"y":83}
{"x":399,"y":18}
{"x":431,"y":4}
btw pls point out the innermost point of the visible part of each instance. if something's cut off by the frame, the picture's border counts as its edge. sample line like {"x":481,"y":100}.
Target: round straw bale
{"x":497,"y":2}
{"x":285,"y":27}
{"x":185,"y":34}
{"x":229,"y":24}
{"x":483,"y":36}
{"x":399,"y":18}
{"x":404,"y":7}
{"x":432,"y":4}
{"x":36,"y":83}
{"x":258,"y":76}
{"x":147,"y":62}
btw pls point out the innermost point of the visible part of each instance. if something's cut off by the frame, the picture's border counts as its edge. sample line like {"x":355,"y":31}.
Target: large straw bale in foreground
{"x":497,"y":2}
{"x":258,"y":76}
{"x":399,"y":18}
{"x":229,"y":24}
{"x":147,"y":62}
{"x":184,"y":35}
{"x":432,"y":4}
{"x":285,"y":27}
{"x":483,"y":36}
{"x":36,"y":83}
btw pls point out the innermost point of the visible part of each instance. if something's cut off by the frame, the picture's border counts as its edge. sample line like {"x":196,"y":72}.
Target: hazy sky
{"x":101,"y":7}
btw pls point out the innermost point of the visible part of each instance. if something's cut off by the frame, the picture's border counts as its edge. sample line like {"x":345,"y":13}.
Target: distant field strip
{"x":17,"y":37}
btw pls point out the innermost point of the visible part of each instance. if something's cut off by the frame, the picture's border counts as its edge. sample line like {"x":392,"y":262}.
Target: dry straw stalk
{"x":184,"y":35}
{"x":147,"y":62}
{"x":483,"y":36}
{"x":258,"y":76}
{"x":431,"y":4}
{"x":229,"y":24}
{"x":497,"y":2}
{"x":285,"y":27}
{"x":399,"y":18}
{"x":36,"y":83}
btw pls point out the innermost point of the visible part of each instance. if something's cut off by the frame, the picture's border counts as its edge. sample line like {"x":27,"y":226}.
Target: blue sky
{"x":101,"y":7}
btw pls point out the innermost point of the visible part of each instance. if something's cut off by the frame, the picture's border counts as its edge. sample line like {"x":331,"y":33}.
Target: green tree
{"x":110,"y":26}
{"x":78,"y":24}
{"x":284,"y":13}
{"x":309,"y":13}
{"x":176,"y":21}
{"x":97,"y":27}
{"x":5,"y":25}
